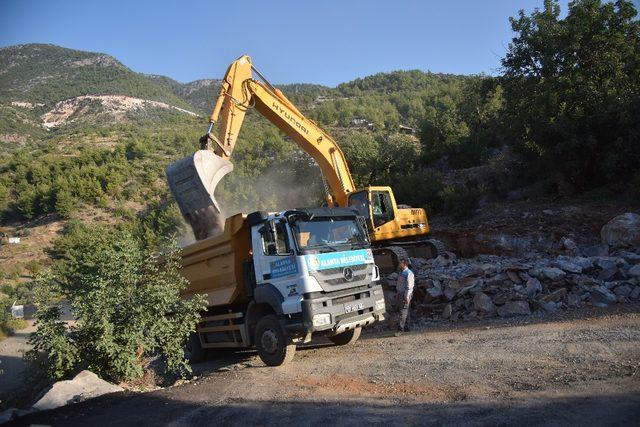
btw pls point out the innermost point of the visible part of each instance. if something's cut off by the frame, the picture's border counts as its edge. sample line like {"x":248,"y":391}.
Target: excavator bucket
{"x":192,"y":181}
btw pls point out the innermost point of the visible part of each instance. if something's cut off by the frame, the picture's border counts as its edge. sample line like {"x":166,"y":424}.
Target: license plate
{"x":354,"y":307}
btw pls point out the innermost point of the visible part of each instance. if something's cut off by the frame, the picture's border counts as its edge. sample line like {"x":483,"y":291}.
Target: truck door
{"x":274,"y":246}
{"x":275,"y":262}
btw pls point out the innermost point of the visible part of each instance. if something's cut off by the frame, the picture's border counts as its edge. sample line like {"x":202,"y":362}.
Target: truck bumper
{"x":336,"y":312}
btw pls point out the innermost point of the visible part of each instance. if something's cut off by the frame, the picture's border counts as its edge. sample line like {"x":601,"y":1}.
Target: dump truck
{"x":275,"y":280}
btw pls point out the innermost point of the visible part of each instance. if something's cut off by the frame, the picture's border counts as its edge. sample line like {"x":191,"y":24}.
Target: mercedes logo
{"x":348,"y":274}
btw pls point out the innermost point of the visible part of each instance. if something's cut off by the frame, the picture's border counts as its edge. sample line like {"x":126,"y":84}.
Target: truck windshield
{"x":328,"y":235}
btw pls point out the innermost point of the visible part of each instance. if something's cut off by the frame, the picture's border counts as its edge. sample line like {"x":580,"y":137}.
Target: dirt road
{"x":12,"y":362}
{"x":579,"y":368}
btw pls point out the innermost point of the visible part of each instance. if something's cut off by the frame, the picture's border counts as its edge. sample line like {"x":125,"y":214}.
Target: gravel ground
{"x":575,"y":367}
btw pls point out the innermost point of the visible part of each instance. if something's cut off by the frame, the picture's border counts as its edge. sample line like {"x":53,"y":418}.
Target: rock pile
{"x":489,"y":285}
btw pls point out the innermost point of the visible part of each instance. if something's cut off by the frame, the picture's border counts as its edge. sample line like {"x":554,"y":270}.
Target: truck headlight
{"x":321,"y":319}
{"x":380,"y":305}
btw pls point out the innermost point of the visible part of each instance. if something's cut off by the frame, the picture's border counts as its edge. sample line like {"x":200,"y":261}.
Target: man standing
{"x":404,"y":289}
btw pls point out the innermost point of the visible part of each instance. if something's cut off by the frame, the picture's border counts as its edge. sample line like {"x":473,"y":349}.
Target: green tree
{"x":442,"y":129}
{"x":363,"y":156}
{"x":65,"y":203}
{"x":126,"y":302}
{"x":572,"y":91}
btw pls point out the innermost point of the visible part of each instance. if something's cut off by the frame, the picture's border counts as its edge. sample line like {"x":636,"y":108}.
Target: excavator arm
{"x":240,"y":91}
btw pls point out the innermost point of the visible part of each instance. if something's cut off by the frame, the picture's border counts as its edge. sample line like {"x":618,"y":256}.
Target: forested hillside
{"x":82,"y":134}
{"x":47,"y":74}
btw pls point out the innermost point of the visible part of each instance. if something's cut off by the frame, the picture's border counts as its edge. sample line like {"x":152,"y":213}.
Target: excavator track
{"x":438,"y":247}
{"x":388,"y":257}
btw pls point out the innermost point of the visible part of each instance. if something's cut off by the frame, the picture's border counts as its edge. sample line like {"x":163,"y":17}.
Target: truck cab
{"x":317,"y":263}
{"x":307,"y":272}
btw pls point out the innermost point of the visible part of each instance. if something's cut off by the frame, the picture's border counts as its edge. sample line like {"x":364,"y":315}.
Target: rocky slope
{"x":103,"y":108}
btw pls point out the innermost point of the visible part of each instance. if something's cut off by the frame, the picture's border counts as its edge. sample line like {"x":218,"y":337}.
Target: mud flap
{"x":193,"y":181}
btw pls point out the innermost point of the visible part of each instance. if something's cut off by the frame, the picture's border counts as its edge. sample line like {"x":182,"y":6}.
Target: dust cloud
{"x":277,"y":189}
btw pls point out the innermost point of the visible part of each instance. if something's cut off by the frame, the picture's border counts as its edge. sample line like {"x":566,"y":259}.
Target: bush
{"x":460,"y":201}
{"x":15,"y":324}
{"x":20,"y":292}
{"x":419,"y":189}
{"x":126,"y":303}
{"x":7,"y":324}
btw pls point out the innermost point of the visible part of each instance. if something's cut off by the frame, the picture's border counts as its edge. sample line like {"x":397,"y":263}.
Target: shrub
{"x":460,"y":201}
{"x":33,"y":266}
{"x":126,"y":303}
{"x":20,"y":292}
{"x":420,"y":189}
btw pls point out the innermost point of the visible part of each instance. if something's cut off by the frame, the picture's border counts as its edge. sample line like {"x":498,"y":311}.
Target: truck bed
{"x":213,"y":266}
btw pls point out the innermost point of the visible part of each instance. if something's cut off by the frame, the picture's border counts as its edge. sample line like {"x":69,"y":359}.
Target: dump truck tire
{"x":272,"y":342}
{"x":346,"y":338}
{"x":193,"y":351}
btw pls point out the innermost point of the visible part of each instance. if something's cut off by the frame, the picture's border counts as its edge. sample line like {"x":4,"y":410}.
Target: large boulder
{"x":634,"y":271}
{"x":602,"y":296}
{"x":622,"y":231}
{"x":552,"y":273}
{"x":483,"y":303}
{"x":568,"y":266}
{"x":533,"y":286}
{"x":514,"y":308}
{"x":85,"y":385}
{"x":556,"y":296}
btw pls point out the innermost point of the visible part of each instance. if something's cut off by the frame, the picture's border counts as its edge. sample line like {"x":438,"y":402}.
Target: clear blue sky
{"x":325,"y":42}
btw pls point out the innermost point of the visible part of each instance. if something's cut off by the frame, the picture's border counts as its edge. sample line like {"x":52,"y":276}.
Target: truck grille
{"x":338,"y":270}
{"x":333,"y":278}
{"x":349,"y":298}
{"x":341,"y":280}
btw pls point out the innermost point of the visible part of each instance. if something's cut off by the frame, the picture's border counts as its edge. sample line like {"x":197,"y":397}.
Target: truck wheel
{"x":345,"y":338}
{"x":273,"y":343}
{"x":193,"y":351}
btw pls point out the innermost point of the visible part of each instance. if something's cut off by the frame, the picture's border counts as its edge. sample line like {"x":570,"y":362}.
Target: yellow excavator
{"x":395,"y":231}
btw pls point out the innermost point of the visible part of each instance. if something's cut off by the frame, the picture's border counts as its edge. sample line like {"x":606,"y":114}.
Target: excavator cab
{"x":388,"y":222}
{"x":377,"y":205}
